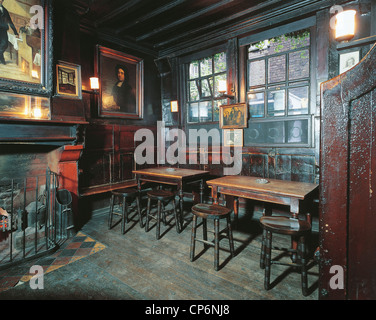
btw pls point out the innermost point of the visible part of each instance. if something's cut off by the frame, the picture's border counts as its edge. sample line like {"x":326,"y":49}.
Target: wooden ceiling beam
{"x":118,"y":11}
{"x":218,"y":22}
{"x":268,"y":19}
{"x":185,"y":19}
{"x":150,"y":15}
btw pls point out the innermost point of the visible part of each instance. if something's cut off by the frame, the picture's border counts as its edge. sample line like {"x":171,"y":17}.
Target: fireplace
{"x":29,"y":221}
{"x":38,"y":189}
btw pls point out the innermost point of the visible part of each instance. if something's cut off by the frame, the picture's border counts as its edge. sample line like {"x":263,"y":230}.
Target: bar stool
{"x":162,"y":197}
{"x":124,"y":196}
{"x":285,"y":226}
{"x":216,"y":213}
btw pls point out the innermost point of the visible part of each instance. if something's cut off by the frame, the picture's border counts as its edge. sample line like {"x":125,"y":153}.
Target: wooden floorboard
{"x":136,"y":266}
{"x":161,"y":269}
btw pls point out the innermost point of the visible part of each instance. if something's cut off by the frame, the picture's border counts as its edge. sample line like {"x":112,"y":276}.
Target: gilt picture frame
{"x":68,"y":80}
{"x":27,"y":67}
{"x":233,"y":116}
{"x":121,"y":93}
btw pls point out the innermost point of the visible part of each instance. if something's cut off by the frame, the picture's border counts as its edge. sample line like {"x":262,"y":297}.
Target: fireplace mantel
{"x":39,"y":131}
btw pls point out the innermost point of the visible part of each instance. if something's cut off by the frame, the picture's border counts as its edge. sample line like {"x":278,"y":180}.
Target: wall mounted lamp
{"x":174,"y":106}
{"x":222,"y":88}
{"x":345,"y":25}
{"x":94,"y":83}
{"x":94,"y":86}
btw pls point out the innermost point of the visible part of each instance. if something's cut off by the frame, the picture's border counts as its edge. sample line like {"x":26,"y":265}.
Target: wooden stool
{"x":127,"y":194}
{"x":162,"y":196}
{"x":286,"y":226}
{"x":214,"y":212}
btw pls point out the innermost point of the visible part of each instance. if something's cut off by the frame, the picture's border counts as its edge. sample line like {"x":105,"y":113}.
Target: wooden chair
{"x":124,"y":196}
{"x":162,"y":197}
{"x":216,"y":213}
{"x":285,"y":226}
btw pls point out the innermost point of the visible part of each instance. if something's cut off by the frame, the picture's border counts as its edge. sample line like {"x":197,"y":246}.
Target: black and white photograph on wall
{"x":348,"y":60}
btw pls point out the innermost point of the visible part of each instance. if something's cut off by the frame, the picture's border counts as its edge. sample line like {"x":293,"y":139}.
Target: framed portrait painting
{"x":122,"y":89}
{"x":25,"y":48}
{"x":68,"y":80}
{"x":233,"y":116}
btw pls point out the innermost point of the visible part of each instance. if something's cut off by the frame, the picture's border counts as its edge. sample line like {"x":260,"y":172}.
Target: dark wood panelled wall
{"x":107,"y":158}
{"x":347,"y":219}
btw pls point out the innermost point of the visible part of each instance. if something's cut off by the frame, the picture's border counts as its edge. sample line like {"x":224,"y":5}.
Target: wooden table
{"x":290,"y":193}
{"x":173,"y":176}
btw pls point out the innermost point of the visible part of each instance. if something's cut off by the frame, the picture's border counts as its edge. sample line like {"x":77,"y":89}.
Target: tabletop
{"x":178,"y":173}
{"x":293,"y":189}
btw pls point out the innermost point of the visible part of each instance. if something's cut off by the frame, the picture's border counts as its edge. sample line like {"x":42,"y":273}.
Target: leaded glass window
{"x":203,"y":98}
{"x":278,"y":89}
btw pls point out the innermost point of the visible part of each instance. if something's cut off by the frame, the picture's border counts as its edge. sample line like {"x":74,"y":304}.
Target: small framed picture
{"x":348,"y":60}
{"x":68,"y":80}
{"x":233,"y":116}
{"x":233,"y":137}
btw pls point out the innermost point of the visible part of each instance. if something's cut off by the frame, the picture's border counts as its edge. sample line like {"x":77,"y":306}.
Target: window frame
{"x":285,"y":85}
{"x":184,"y":65}
{"x":244,"y":43}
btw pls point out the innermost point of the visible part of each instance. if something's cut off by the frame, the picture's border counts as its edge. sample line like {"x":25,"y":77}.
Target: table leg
{"x":215,"y":194}
{"x":138,"y":184}
{"x":180,"y":193}
{"x":294,"y":210}
{"x":201,"y":191}
{"x":236,"y":210}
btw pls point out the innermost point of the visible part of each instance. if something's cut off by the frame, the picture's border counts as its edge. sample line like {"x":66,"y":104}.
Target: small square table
{"x":173,"y":176}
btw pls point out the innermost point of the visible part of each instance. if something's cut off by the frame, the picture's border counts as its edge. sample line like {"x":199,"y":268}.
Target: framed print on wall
{"x":26,"y":47}
{"x":233,"y":137}
{"x":233,"y":116}
{"x":122,"y":86}
{"x":68,"y":80}
{"x":348,"y":60}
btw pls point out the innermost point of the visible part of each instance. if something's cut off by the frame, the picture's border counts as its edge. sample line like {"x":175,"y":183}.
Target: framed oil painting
{"x":233,"y":137}
{"x":25,"y":48}
{"x":122,"y":87}
{"x":68,"y":80}
{"x":233,"y":116}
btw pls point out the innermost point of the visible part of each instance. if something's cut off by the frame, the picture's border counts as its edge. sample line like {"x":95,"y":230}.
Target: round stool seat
{"x":125,"y":192}
{"x":210,"y":211}
{"x":161,"y":194}
{"x":285,"y":225}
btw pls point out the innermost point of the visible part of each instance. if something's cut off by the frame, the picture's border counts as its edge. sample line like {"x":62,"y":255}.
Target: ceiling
{"x":160,"y":24}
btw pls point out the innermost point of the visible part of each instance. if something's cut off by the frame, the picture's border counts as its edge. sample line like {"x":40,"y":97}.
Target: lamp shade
{"x":345,"y":25}
{"x":222,"y":86}
{"x":174,"y":106}
{"x":94,"y":83}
